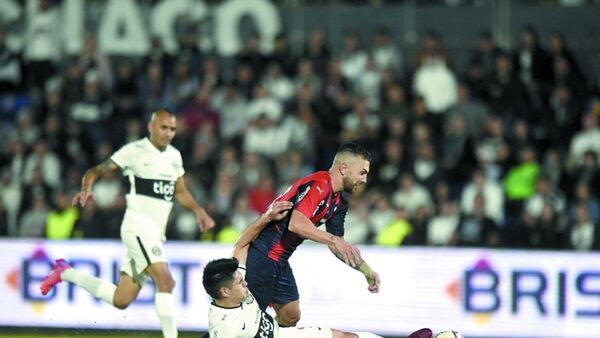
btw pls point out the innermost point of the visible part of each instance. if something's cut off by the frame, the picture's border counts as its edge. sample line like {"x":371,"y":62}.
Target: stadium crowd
{"x":502,"y":153}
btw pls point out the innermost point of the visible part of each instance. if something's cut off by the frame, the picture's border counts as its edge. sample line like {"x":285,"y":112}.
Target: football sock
{"x":165,"y":308}
{"x":97,"y":287}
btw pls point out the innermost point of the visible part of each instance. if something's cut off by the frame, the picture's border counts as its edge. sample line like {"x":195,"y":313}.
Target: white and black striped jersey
{"x":152,"y":176}
{"x":244,"y":321}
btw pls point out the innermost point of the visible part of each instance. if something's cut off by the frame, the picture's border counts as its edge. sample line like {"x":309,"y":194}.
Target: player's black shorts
{"x":269,"y":281}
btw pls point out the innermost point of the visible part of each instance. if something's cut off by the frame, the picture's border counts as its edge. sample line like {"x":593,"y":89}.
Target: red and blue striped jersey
{"x":314,"y":197}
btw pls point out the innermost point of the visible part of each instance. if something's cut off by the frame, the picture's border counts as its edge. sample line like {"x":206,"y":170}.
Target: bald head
{"x":162,"y":127}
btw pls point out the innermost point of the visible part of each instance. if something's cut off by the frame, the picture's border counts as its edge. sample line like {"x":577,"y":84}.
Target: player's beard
{"x":348,"y":185}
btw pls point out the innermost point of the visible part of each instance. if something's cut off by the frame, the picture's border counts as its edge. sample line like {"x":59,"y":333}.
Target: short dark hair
{"x":355,"y":149}
{"x":218,"y":273}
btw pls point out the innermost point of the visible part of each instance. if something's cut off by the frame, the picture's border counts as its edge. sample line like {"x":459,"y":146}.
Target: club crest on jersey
{"x":164,"y":189}
{"x":156,"y":251}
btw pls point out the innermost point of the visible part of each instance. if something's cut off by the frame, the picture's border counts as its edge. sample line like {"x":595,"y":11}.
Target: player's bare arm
{"x":90,"y":176}
{"x":276,"y":212}
{"x":302,"y":226}
{"x":183,"y":196}
{"x":362,"y":266}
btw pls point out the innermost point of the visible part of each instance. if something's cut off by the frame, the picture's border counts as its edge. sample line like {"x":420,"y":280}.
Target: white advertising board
{"x":481,"y":293}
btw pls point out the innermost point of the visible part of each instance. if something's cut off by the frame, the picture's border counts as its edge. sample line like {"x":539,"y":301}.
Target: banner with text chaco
{"x":478,"y":292}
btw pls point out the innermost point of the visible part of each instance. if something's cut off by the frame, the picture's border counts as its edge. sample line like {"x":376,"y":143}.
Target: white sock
{"x":366,"y":335}
{"x":97,"y":287}
{"x":165,"y":308}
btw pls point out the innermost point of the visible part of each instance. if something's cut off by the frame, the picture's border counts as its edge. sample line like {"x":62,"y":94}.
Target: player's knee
{"x":166,"y":284}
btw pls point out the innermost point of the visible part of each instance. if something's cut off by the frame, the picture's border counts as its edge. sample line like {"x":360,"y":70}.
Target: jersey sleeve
{"x":335,"y":225}
{"x":179,"y":165}
{"x":308,"y":197}
{"x":123,"y":156}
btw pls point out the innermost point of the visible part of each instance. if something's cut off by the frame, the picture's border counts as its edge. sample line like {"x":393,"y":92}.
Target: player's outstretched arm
{"x":183,"y":196}
{"x":302,"y":226}
{"x":277,"y":211}
{"x":90,"y":176}
{"x":362,"y":266}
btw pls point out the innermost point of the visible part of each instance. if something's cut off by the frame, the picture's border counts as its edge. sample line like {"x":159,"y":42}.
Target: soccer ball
{"x":448,"y":334}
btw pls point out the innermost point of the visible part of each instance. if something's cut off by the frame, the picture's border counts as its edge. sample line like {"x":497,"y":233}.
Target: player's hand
{"x":82,"y":197}
{"x":205,"y":222}
{"x":346,"y":252}
{"x":278,"y":210}
{"x":374,"y":281}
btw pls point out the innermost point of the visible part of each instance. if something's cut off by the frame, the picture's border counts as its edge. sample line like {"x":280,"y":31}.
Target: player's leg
{"x":61,"y":270}
{"x":163,"y":299}
{"x":286,"y":301}
{"x":126,"y":292}
{"x":261,"y":276}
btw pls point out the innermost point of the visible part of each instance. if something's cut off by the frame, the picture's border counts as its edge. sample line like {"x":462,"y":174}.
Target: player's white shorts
{"x":305,"y":332}
{"x":143,"y":249}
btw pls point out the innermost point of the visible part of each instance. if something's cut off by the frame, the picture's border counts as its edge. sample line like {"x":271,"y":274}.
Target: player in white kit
{"x":155,"y":172}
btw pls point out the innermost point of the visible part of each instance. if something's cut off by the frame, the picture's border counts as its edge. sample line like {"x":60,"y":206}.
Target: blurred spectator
{"x":232,"y":108}
{"x":393,"y":162}
{"x":360,"y":125}
{"x":380,"y":215}
{"x":473,"y":112}
{"x":519,"y":183}
{"x":317,"y":50}
{"x":492,"y":151}
{"x":560,"y":50}
{"x":200,"y":111}
{"x":291,"y":167}
{"x":262,"y":193}
{"x":151,"y":87}
{"x":48,"y":163}
{"x":368,"y":85}
{"x":181,"y":86}
{"x":411,"y":196}
{"x":485,"y":53}
{"x":436,"y":83}
{"x":425,"y":167}
{"x":385,"y":53}
{"x":92,"y":59}
{"x":189,"y":51}
{"x":32,"y":223}
{"x":94,"y":108}
{"x":89,"y":224}
{"x":61,"y":220}
{"x":506,"y":93}
{"x":394,"y":233}
{"x":251,"y":54}
{"x":242,"y":214}
{"x":11,"y":193}
{"x":353,"y":59}
{"x":458,"y":151}
{"x":394,"y":105}
{"x":588,"y":172}
{"x":282,"y":55}
{"x":546,"y":195}
{"x":126,"y":105}
{"x":476,"y":229}
{"x":41,"y":51}
{"x":277,"y":83}
{"x":533,"y":65}
{"x":547,"y":230}
{"x":10,"y":66}
{"x":356,"y":225}
{"x":4,"y":223}
{"x":442,"y":226}
{"x":583,"y":234}
{"x":491,"y":193}
{"x":583,"y":197}
{"x":305,"y":76}
{"x":561,"y":120}
{"x":419,"y":221}
{"x":588,"y":139}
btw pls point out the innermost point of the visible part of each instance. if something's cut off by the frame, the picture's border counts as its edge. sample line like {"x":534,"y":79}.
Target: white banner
{"x":477,"y":292}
